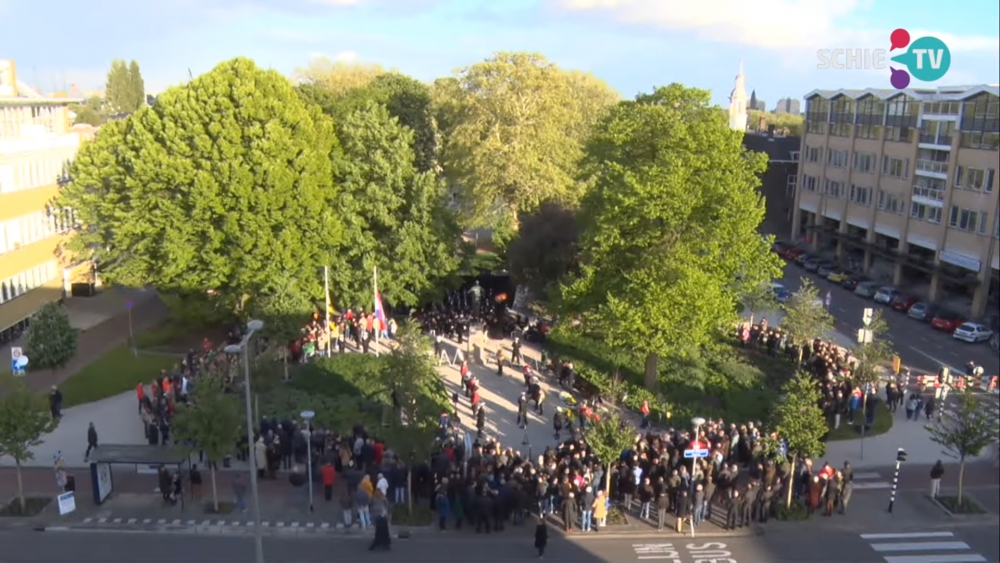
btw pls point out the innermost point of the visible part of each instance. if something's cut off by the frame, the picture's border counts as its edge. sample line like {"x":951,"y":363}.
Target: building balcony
{"x":935,"y":142}
{"x":928,"y":193}
{"x":932,"y":168}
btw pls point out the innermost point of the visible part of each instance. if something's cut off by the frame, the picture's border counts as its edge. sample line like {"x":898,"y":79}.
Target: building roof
{"x":777,"y":148}
{"x":939,"y":94}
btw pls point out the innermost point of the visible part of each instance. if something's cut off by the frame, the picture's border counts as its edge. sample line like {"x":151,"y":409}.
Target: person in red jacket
{"x":645,"y":414}
{"x":328,"y":474}
{"x":379,"y":449}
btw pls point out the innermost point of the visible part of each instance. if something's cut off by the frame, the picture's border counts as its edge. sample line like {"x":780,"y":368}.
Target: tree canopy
{"x":125,"y":90}
{"x":24,"y":419}
{"x":966,"y":430}
{"x":669,"y":225}
{"x":338,"y":77}
{"x":514,"y":126}
{"x":396,"y":218}
{"x":224,"y":186}
{"x":545,"y":249}
{"x":806,"y":317}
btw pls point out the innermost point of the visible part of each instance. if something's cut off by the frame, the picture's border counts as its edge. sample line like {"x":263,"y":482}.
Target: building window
{"x":869,"y":131}
{"x":861,"y":195}
{"x":929,"y":213}
{"x":814,"y":154}
{"x":942,"y":108}
{"x":864,"y":162}
{"x":837,"y":159}
{"x":809,"y":183}
{"x":968,"y":220}
{"x":840,"y":129}
{"x":887,"y":201}
{"x":982,"y":140}
{"x":793,"y":156}
{"x":976,"y":179}
{"x":900,"y":134}
{"x":834,"y":189}
{"x":790,"y":189}
{"x":895,"y":167}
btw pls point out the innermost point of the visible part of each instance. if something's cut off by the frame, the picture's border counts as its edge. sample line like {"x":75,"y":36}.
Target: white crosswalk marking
{"x":933,"y":544}
{"x":867,"y":480}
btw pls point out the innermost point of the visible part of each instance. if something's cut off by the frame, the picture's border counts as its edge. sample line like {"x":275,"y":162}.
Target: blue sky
{"x":632,"y":44}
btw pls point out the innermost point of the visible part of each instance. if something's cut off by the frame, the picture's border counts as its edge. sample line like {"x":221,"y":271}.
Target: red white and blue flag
{"x":379,"y":310}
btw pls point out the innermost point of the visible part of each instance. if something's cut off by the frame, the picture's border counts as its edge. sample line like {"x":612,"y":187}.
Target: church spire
{"x":738,"y":103}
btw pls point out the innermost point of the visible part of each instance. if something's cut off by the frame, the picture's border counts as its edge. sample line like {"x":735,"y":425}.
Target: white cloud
{"x":348,"y":57}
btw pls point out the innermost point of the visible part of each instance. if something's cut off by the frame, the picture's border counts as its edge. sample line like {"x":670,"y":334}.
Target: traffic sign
{"x":695,"y":453}
{"x":868,"y":315}
{"x":128,"y":305}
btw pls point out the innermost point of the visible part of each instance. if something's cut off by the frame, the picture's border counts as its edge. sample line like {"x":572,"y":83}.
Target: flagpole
{"x":326,"y":291}
{"x":378,"y":324}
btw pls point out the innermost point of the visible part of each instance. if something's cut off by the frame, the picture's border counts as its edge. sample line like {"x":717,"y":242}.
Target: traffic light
{"x":900,"y":455}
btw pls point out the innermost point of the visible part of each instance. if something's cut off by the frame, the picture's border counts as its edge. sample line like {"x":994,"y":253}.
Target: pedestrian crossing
{"x":922,"y":547}
{"x":869,"y":480}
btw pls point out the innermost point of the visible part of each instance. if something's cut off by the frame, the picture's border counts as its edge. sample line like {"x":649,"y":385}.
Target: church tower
{"x":738,"y":103}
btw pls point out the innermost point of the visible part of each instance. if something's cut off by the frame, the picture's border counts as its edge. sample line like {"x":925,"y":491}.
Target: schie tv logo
{"x":927,"y":59}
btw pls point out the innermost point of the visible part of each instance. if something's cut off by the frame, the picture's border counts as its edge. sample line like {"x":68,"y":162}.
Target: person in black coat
{"x":541,"y":537}
{"x":382,"y":539}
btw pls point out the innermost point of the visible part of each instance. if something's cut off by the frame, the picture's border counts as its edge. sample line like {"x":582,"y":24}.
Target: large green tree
{"x":806,"y":317}
{"x":512,"y":142}
{"x":397,"y":218}
{"x":24,"y":419}
{"x":545,"y":249}
{"x":223,"y":188}
{"x":91,"y":112}
{"x":799,"y":420}
{"x":125,"y":90}
{"x":669,"y":224}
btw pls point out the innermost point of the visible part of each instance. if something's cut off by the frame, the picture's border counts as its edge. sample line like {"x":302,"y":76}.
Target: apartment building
{"x":36,"y":144}
{"x":905,"y":182}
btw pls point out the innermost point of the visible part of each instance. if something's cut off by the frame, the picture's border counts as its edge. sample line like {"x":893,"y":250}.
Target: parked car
{"x":972,"y":333}
{"x":792,"y":252}
{"x":902,"y":303}
{"x":801,"y":259}
{"x":947,"y":321}
{"x":813,"y":265}
{"x":852,"y":282}
{"x":782,"y":295}
{"x":921,"y":311}
{"x":778,"y":247}
{"x":825,"y":269}
{"x":837,"y":276}
{"x":866,"y":289}
{"x":885,"y":294}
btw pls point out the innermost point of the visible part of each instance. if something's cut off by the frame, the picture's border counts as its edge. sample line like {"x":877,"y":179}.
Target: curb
{"x":665,"y":535}
{"x":218,"y":527}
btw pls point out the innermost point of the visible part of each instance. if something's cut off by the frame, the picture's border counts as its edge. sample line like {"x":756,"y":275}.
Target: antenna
{"x":190,"y":76}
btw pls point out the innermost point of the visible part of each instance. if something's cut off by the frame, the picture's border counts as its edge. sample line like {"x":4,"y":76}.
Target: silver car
{"x":885,"y":294}
{"x":866,"y":289}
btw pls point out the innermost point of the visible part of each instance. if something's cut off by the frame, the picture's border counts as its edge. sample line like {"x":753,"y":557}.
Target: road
{"x":792,"y":543}
{"x":921,"y":348}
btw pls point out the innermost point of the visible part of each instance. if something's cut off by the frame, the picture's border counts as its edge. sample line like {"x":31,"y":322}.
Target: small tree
{"x":24,"y":419}
{"x":965,"y":431}
{"x":213,"y":420}
{"x":51,"y":339}
{"x":806,"y":317}
{"x":799,"y":420}
{"x":757,"y":298}
{"x":871,"y":355}
{"x":607,"y":439}
{"x":285,"y":312}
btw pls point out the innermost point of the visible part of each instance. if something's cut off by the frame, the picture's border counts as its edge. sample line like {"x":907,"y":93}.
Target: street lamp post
{"x":308,"y":416}
{"x":697,"y":422}
{"x":241,"y":349}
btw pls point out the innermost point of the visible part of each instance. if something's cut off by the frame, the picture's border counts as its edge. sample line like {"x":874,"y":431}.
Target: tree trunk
{"x":607,"y":480}
{"x":652,"y":366}
{"x":751,"y":317}
{"x":409,"y":489}
{"x":20,"y":484}
{"x":961,"y":482}
{"x":799,"y":363}
{"x":791,"y":481}
{"x":215,"y":489}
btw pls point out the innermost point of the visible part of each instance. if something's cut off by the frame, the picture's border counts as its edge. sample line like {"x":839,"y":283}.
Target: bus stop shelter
{"x":105,"y":456}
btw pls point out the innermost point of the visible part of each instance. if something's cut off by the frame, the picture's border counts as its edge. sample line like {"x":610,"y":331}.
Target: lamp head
{"x":233,"y":349}
{"x":255,"y":325}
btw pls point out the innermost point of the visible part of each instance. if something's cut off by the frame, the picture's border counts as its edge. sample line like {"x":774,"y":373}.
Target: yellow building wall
{"x":25,"y":305}
{"x":16,"y":204}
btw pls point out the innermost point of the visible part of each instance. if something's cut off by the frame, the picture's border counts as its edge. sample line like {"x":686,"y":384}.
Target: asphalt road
{"x":807,"y":544}
{"x":921,"y":348}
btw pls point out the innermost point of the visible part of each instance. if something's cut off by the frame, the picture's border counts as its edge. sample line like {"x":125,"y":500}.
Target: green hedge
{"x":722,"y":381}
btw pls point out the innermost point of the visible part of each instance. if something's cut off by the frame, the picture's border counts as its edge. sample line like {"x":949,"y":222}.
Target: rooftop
{"x":777,"y":148}
{"x":939,"y":94}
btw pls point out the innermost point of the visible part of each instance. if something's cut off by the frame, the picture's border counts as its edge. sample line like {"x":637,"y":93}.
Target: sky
{"x":634,"y":45}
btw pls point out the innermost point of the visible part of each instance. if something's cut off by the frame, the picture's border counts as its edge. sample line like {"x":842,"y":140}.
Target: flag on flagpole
{"x":380,"y":320}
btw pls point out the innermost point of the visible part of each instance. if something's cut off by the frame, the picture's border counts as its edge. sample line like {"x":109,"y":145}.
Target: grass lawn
{"x":881,"y":425}
{"x":113,"y":373}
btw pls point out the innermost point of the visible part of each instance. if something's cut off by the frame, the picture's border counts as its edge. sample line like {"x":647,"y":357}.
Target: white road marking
{"x":907,"y":536}
{"x":921,"y":546}
{"x":867,"y":475}
{"x":936,"y":360}
{"x":870,"y":485}
{"x":953,"y":558}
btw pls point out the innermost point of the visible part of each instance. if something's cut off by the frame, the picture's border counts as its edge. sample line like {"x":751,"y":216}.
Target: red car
{"x":947,"y":321}
{"x":902,"y":303}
